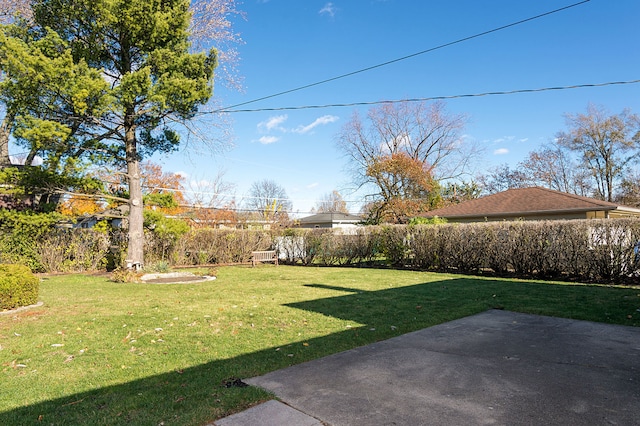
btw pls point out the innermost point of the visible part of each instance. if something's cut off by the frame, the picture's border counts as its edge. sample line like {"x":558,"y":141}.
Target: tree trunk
{"x":135,"y":248}
{"x":5,"y":130}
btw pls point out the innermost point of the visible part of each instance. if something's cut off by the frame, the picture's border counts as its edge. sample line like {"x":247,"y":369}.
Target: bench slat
{"x":264,"y":256}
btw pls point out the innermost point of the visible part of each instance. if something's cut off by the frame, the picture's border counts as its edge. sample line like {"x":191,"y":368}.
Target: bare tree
{"x":425,"y":134}
{"x":629,"y":192}
{"x":214,"y":193}
{"x":607,"y":144}
{"x":332,"y":203}
{"x":211,"y":24}
{"x":460,"y":191}
{"x":269,"y":200}
{"x":502,"y":178}
{"x":12,"y":9}
{"x":213,"y":201}
{"x":553,"y":167}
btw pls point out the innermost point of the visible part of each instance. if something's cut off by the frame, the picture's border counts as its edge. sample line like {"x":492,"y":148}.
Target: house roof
{"x":525,"y":202}
{"x":331,"y":217}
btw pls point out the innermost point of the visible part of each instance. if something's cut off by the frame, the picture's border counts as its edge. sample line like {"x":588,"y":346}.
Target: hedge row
{"x":583,"y":250}
{"x":213,"y":246}
{"x":588,"y":250}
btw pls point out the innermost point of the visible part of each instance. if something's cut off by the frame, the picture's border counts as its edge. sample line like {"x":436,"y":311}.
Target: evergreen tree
{"x":140,"y":48}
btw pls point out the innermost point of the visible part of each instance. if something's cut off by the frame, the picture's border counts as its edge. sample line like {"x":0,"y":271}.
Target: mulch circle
{"x":180,"y":280}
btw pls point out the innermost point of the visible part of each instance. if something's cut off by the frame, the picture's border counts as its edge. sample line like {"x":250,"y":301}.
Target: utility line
{"x":349,"y":74}
{"x":437,"y":98}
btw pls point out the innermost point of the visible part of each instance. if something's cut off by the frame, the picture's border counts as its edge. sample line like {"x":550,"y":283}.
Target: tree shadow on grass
{"x":201,"y":394}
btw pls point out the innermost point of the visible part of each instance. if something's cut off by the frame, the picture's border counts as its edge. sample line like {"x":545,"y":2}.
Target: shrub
{"x":162,"y":235}
{"x":160,"y":266}
{"x":20,"y":233}
{"x":124,"y":275}
{"x":18,"y":286}
{"x":419,"y":220}
{"x":73,"y":250}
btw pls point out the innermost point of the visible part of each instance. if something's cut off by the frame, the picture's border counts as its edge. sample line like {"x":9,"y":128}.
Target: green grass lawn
{"x":99,"y":352}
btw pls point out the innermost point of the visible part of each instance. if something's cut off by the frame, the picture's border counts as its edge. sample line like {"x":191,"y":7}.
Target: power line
{"x":438,"y":98}
{"x":349,"y":74}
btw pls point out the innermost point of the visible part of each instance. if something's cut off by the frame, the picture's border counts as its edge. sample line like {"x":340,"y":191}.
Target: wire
{"x":349,"y":74}
{"x":436,"y":98}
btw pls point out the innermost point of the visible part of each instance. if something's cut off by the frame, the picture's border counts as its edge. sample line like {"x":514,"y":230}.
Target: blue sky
{"x":292,"y":43}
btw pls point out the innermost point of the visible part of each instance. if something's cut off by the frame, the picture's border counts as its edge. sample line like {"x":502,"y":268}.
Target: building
{"x":330,"y":220}
{"x":534,"y":203}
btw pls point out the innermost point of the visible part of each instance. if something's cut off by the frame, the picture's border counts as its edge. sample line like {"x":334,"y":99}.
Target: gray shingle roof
{"x":330,"y":218}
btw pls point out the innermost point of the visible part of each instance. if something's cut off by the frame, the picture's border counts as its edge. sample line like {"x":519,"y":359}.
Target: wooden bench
{"x":264,"y":256}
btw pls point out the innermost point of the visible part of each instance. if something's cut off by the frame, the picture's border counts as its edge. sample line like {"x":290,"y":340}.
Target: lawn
{"x":99,"y":352}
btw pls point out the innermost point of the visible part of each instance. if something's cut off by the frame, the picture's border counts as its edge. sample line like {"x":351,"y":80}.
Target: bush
{"x":162,"y":235}
{"x":18,"y":286}
{"x":124,"y":275}
{"x":73,"y":250}
{"x":19,"y":235}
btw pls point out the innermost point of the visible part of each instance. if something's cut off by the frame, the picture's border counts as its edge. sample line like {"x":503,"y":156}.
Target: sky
{"x":293,"y":43}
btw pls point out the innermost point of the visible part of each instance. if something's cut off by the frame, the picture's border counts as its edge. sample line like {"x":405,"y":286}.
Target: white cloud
{"x":504,"y":139}
{"x":272,"y":123}
{"x":501,"y":151}
{"x":523,"y":140}
{"x":325,"y":119}
{"x":313,"y":185}
{"x":265,"y":140}
{"x":328,"y":9}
